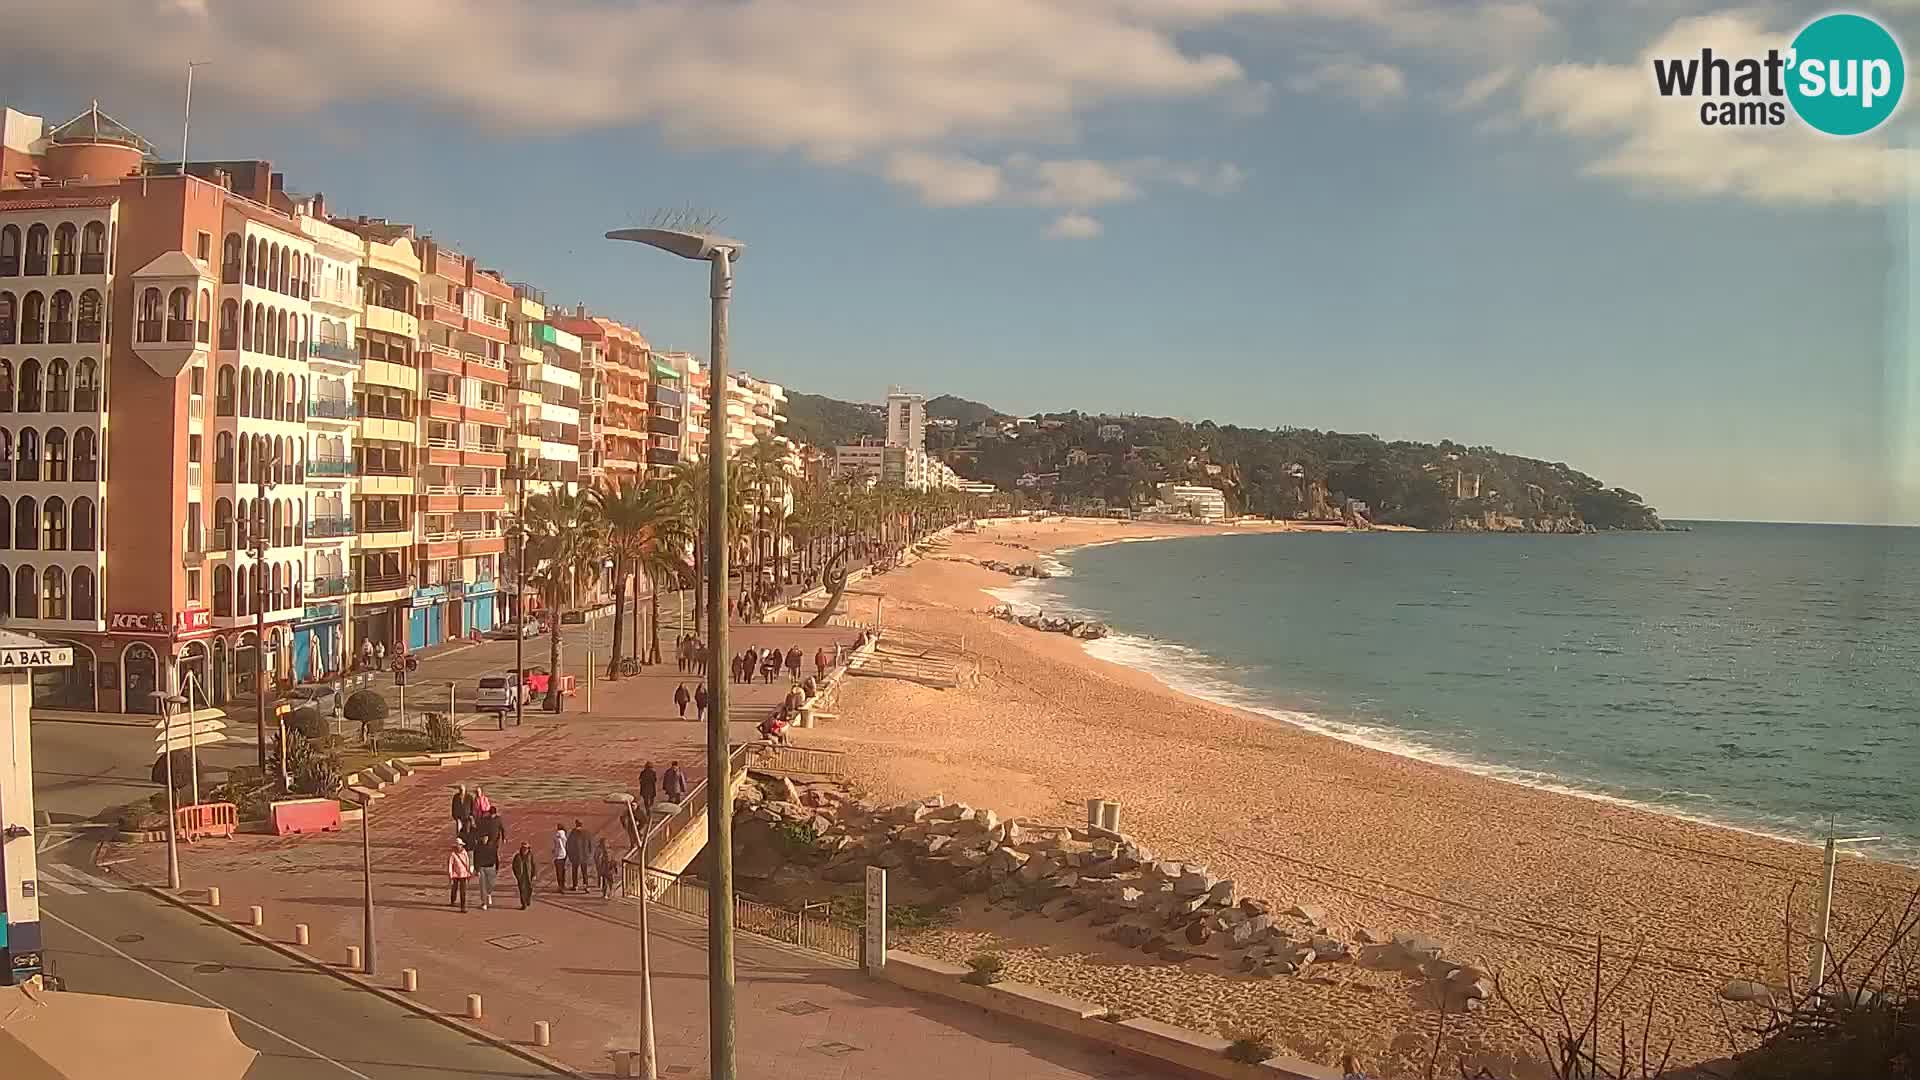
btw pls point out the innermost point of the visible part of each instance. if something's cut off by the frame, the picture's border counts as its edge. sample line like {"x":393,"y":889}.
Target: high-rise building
{"x":906,"y":419}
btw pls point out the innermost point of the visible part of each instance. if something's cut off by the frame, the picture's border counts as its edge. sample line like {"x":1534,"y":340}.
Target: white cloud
{"x":1659,"y":144}
{"x":1367,"y":82}
{"x":1480,"y":90}
{"x":1021,"y":179}
{"x":945,"y":180}
{"x":1075,"y":226}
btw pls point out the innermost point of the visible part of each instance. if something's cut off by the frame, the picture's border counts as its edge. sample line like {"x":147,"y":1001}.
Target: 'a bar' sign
{"x":46,"y":656}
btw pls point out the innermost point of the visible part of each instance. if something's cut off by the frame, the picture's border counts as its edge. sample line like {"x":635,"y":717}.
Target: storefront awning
{"x":49,"y":1035}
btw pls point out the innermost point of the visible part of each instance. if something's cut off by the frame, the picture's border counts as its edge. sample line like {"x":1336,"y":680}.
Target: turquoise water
{"x":1760,"y":676}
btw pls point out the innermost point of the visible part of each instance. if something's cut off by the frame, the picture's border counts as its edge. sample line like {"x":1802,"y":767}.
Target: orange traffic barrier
{"x":206,"y":819}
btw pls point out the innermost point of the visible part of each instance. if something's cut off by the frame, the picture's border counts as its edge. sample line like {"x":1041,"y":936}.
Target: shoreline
{"x":1514,"y":876}
{"x":1399,"y":747}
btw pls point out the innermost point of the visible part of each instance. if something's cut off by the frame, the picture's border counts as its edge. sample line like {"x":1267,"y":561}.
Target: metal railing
{"x":334,"y":409}
{"x":693,"y":805}
{"x":339,"y":352}
{"x":799,"y":759}
{"x":330,"y":467}
{"x":335,"y":585}
{"x":462,"y":489}
{"x":805,"y":929}
{"x":324,"y":527}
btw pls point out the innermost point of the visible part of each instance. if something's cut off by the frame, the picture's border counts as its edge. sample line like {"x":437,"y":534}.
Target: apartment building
{"x":1205,"y":503}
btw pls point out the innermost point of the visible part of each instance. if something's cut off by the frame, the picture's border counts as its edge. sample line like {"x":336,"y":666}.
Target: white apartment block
{"x":1207,"y":504}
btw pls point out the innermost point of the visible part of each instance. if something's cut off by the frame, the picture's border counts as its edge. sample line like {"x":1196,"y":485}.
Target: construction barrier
{"x":206,"y":819}
{"x":306,"y":815}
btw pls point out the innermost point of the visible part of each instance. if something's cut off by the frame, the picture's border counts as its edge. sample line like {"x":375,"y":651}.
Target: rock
{"x":821,"y":824}
{"x":1246,"y":933}
{"x":1166,"y":871}
{"x":1127,"y":897}
{"x":1006,"y":860}
{"x":788,"y":791}
{"x":1367,"y":937}
{"x":1180,"y":954}
{"x":1062,"y":908}
{"x":1328,"y":948}
{"x":1198,"y":933}
{"x":1193,"y":883}
{"x":1466,"y":973}
{"x":1132,"y":935}
{"x":1232,"y":917}
{"x":1747,"y":990}
{"x":1255,"y":907}
{"x":987,"y":820}
{"x":1312,"y":913}
{"x":1477,"y":990}
{"x":1156,"y":942}
{"x":844,"y":873}
{"x":951,"y":812}
{"x":891,"y":858}
{"x":1414,"y":949}
{"x":1002,"y":891}
{"x":1036,"y":868}
{"x":937,"y":844}
{"x":1221,"y":893}
{"x":974,"y":881}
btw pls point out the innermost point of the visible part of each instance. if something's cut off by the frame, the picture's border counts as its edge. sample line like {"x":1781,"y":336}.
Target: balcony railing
{"x":327,"y":586}
{"x":370,"y":469}
{"x":337,"y":410}
{"x":385,"y":526}
{"x":443,"y":395}
{"x":382,"y":582}
{"x":321,"y":528}
{"x":339,"y":352}
{"x":330,"y":467}
{"x":485,"y":361}
{"x":463,"y":489}
{"x":179,"y":329}
{"x":441,"y":442}
{"x":492,"y":320}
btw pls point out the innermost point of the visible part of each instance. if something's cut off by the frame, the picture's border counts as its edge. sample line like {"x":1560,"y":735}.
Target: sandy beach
{"x":1519,"y":880}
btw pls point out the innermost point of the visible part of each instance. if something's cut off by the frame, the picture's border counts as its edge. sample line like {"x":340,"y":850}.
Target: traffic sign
{"x":183,"y":740}
{"x":182,"y":729}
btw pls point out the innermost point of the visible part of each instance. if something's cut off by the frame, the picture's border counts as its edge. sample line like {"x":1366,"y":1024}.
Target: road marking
{"x":62,"y":887}
{"x":137,"y":962}
{"x":79,"y":877}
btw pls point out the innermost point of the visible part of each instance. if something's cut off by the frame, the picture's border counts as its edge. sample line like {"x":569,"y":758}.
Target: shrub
{"x":182,"y":760}
{"x":140,"y":817}
{"x":442,"y":734}
{"x":247,"y":791}
{"x":309,"y":723}
{"x":369,"y":710}
{"x":795,"y":839}
{"x":987,"y":969}
{"x":320,"y":775}
{"x":406,"y":741}
{"x":1251,"y":1047}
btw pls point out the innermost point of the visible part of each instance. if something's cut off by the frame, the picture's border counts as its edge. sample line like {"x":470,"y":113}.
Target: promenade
{"x":572,"y":959}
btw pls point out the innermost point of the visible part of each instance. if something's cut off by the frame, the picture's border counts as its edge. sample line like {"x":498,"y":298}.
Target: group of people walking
{"x":691,"y":654}
{"x":580,"y":858}
{"x":767,"y":662}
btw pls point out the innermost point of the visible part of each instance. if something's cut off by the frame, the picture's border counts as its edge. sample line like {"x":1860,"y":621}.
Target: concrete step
{"x":366,"y":792}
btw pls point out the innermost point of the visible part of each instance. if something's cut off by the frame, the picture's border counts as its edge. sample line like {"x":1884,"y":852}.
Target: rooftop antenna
{"x":186,"y":122}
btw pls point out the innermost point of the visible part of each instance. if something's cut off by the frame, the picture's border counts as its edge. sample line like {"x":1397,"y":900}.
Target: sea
{"x":1760,"y":676}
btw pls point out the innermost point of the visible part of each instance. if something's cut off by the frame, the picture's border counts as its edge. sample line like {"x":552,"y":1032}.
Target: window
{"x":9,"y":251}
{"x":26,"y":592}
{"x":193,"y":448}
{"x":54,"y":524}
{"x":26,"y":524}
{"x":85,"y":604}
{"x":86,"y":455}
{"x":222,"y":590}
{"x":59,"y":387}
{"x":86,"y":385}
{"x":53,"y":604}
{"x":29,"y":393}
{"x":6,"y":592}
{"x":148,"y":328}
{"x":93,"y":248}
{"x":57,"y":454}
{"x":60,"y":331}
{"x":66,"y":239}
{"x":86,"y":525}
{"x":6,"y":523}
{"x":223,"y":401}
{"x":230,"y":259}
{"x":180,"y":315}
{"x":203,"y":246}
{"x":37,"y":243}
{"x":33,"y":319}
{"x":203,"y":317}
{"x":196,"y":528}
{"x":253,"y":262}
{"x":197,"y":381}
{"x":9,"y":311}
{"x":88,"y":326}
{"x":27,"y":464}
{"x":193,"y":586}
{"x":6,"y":456}
{"x":229,"y":325}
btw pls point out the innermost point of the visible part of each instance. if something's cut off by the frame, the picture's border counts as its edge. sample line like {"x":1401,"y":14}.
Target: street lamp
{"x":649,"y":1060}
{"x":366,"y":864}
{"x":720,"y":253}
{"x":1817,"y":967}
{"x":167,"y":702}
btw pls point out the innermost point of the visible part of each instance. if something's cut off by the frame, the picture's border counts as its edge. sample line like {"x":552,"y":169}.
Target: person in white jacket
{"x":560,"y":856}
{"x":459,"y":869}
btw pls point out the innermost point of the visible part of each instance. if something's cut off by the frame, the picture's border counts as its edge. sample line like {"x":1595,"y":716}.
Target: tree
{"x":768,"y":460}
{"x":688,"y":485}
{"x":566,"y":536}
{"x":369,"y":710}
{"x":645,"y":532}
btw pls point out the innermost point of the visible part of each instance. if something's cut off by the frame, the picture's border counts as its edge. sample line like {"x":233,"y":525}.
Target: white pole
{"x":186,"y":122}
{"x":649,"y":1059}
{"x":166,"y":757}
{"x":193,"y":745}
{"x":1817,"y":969}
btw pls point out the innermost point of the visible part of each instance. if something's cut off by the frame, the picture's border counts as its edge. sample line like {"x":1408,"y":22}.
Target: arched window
{"x":6,"y":454}
{"x":243,"y":590}
{"x":223,"y":392}
{"x":222,"y":590}
{"x":278,"y":589}
{"x":9,"y":250}
{"x":230,"y":324}
{"x":27,"y":464}
{"x":93,"y":248}
{"x":243,"y":517}
{"x":66,"y":245}
{"x":246,"y":327}
{"x":246,"y":391}
{"x":29,"y":394}
{"x":242,"y":476}
{"x":60,"y":328}
{"x":223,"y":524}
{"x":283,"y":350}
{"x":26,"y":524}
{"x":53,"y":525}
{"x":9,"y":315}
{"x":6,"y":522}
{"x":253,"y":263}
{"x":26,"y":592}
{"x":86,"y":454}
{"x":230,"y":259}
{"x":275,"y":525}
{"x":86,"y":525}
{"x":33,"y":319}
{"x":53,"y":598}
{"x":88,"y":326}
{"x":86,"y":385}
{"x":277,"y":269}
{"x":203,"y":318}
{"x":37,"y":242}
{"x":223,"y":458}
{"x":57,"y":454}
{"x":149,"y":323}
{"x":180,"y":315}
{"x":86,"y":606}
{"x":59,"y":386}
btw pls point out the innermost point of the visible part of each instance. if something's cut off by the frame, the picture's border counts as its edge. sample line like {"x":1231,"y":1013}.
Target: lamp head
{"x":687,"y":245}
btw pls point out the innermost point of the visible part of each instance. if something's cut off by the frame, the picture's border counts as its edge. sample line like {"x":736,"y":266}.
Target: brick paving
{"x":572,"y":959}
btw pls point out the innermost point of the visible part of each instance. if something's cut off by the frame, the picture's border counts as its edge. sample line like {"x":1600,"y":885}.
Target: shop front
{"x":480,"y":606}
{"x":317,"y":643}
{"x":427,"y":621}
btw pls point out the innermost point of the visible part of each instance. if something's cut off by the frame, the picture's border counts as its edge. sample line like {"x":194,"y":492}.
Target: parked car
{"x":323,"y":698}
{"x":500,"y":693}
{"x":530,"y":628}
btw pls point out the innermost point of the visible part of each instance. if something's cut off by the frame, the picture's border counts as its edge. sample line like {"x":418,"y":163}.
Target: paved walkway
{"x":572,"y":959}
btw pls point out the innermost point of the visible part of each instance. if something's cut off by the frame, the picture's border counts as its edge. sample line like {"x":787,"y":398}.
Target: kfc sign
{"x":189,"y":622}
{"x":139,"y":622}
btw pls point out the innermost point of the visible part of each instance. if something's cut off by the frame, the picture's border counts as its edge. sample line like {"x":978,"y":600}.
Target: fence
{"x":206,"y":819}
{"x":809,"y":931}
{"x":692,"y":806}
{"x":798,"y":759}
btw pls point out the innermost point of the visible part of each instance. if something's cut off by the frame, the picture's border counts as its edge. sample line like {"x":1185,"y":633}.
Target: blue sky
{"x":1426,"y":220}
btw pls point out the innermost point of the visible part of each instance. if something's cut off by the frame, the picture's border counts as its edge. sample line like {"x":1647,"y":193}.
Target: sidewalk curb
{"x":48,"y":718}
{"x":456,"y":1023}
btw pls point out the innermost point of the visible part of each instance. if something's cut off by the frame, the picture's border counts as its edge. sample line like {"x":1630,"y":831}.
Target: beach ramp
{"x":926,"y":661}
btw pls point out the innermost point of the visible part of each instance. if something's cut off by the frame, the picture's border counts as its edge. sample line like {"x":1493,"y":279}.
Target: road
{"x":83,"y":768}
{"x":306,"y":1024}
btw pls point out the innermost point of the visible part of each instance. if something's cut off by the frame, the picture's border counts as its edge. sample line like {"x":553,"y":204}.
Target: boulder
{"x":1367,"y":937}
{"x":891,"y":858}
{"x":1249,"y":931}
{"x":1747,"y":990}
{"x":1182,"y":953}
{"x":1155,"y":942}
{"x":937,"y":844}
{"x":845,"y":873}
{"x":1062,"y":908}
{"x":1131,"y":935}
{"x":1221,"y":893}
{"x":1006,"y":860}
{"x":1194,"y":882}
{"x":1255,"y":907}
{"x":1414,"y":949}
{"x":1166,"y":871}
{"x":1312,"y":913}
{"x":987,"y":820}
{"x":974,"y":881}
{"x":951,"y":812}
{"x":1035,"y":869}
{"x":1127,"y":897}
{"x":1329,"y":948}
{"x":1198,"y":933}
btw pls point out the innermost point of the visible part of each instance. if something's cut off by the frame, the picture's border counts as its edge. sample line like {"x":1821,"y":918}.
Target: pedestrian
{"x":809,"y":687}
{"x":579,"y":856}
{"x":462,"y":808}
{"x":459,"y":869}
{"x":492,"y":825}
{"x":700,"y":699}
{"x":560,"y":856}
{"x":770,"y":665}
{"x":523,"y":874}
{"x":820,"y":661}
{"x":486,"y":865}
{"x":380,"y":652}
{"x":793,"y":661}
{"x":673,"y":784}
{"x":1351,"y":1068}
{"x":681,"y":698}
{"x":604,"y":864}
{"x":366,"y":653}
{"x":481,"y":804}
{"x":649,"y":787}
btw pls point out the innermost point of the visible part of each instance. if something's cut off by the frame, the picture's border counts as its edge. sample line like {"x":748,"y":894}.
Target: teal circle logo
{"x":1846,"y":74}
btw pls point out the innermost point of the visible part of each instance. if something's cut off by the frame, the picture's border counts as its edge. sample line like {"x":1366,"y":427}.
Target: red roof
{"x":32,"y":200}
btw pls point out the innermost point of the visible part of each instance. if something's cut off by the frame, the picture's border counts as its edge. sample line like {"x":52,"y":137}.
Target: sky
{"x":1466,"y":219}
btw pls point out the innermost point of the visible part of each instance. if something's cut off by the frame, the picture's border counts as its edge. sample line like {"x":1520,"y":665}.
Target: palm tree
{"x":565,"y":536}
{"x":767,"y":459}
{"x":688,"y":486}
{"x":637,"y":519}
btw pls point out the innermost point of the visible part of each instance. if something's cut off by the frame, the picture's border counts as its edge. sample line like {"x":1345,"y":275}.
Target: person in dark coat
{"x":681,"y":698}
{"x":580,"y":855}
{"x":523,"y":874}
{"x":770,"y":665}
{"x":462,"y":807}
{"x":674,"y":784}
{"x":700,"y":702}
{"x":820,"y":659}
{"x":793,"y":661}
{"x":649,"y":786}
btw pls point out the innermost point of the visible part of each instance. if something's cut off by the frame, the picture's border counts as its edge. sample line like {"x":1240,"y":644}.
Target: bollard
{"x":1110,"y":815}
{"x":213,"y":896}
{"x":299,"y":933}
{"x":473,"y":1007}
{"x":1093,"y":813}
{"x":623,"y":1062}
{"x":410,"y":979}
{"x":256,"y":916}
{"x":353,"y":958}
{"x":542,"y":1033}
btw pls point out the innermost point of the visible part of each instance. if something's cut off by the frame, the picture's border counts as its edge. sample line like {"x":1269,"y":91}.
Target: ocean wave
{"x":1191,"y":671}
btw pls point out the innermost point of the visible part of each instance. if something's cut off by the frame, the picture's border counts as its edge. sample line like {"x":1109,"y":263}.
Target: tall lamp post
{"x":262,"y":542}
{"x":168,"y":704}
{"x":366,"y":864}
{"x":649,"y":1058}
{"x":719,"y":253}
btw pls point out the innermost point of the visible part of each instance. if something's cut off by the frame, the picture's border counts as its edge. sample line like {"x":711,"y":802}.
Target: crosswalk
{"x":73,"y":881}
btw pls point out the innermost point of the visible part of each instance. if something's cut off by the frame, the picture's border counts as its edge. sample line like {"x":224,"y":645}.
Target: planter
{"x":304,"y":815}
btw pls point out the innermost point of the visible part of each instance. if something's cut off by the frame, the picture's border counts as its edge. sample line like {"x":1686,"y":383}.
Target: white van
{"x":500,"y":693}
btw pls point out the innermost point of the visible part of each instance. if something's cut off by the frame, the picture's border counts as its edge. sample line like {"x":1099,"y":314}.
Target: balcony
{"x":660,"y":456}
{"x":338,"y":352}
{"x":330,"y":467}
{"x":332,"y":409}
{"x":401,"y":525}
{"x":323,"y":528}
{"x":463,"y":489}
{"x":327,"y":586}
{"x":382,"y":582}
{"x":494,"y":321}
